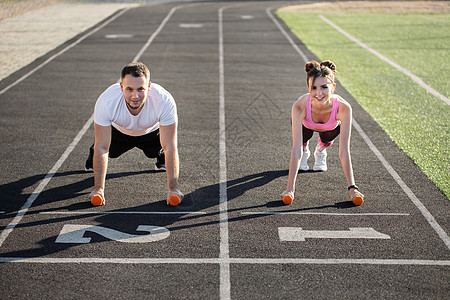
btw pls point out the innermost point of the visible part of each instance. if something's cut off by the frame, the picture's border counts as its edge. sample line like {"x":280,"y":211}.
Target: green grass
{"x":416,"y":120}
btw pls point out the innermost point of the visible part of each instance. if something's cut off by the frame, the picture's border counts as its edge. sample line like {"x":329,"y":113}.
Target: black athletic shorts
{"x":121,"y":143}
{"x":325,"y":136}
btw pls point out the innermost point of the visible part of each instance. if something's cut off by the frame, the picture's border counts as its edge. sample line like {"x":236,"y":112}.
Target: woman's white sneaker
{"x":321,"y":160}
{"x":304,"y":160}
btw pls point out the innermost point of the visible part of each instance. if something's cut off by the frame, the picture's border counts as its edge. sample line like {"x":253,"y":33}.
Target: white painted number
{"x":119,"y":36}
{"x":297,"y":234}
{"x":74,"y":234}
{"x":190,"y":25}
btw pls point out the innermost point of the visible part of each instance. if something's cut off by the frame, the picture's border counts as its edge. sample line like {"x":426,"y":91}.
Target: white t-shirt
{"x":159,"y":109}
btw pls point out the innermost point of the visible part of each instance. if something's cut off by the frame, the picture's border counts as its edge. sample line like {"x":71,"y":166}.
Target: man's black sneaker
{"x":160,"y":161}
{"x":88,"y":166}
{"x":160,"y":167}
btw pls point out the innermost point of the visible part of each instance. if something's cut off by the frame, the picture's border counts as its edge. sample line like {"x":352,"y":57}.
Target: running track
{"x":234,"y":72}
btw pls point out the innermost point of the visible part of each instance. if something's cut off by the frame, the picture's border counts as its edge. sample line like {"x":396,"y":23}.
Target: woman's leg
{"x":326,"y":139}
{"x":307,"y":134}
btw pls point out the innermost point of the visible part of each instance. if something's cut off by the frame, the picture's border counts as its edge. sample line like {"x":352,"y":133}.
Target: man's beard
{"x":138,"y":107}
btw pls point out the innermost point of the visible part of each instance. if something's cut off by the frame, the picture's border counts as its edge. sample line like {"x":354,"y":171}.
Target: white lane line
{"x":100,"y":260}
{"x":428,"y":216}
{"x":122,"y":213}
{"x":5,"y":233}
{"x":395,"y":65}
{"x":176,"y":260}
{"x":321,"y":214}
{"x":274,"y":20}
{"x":153,"y":36}
{"x":61,"y":52}
{"x":340,"y":261}
{"x":10,"y":227}
{"x":225,"y":282}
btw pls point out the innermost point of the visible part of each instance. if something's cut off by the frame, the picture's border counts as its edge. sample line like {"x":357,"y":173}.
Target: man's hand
{"x":100,"y":159}
{"x":97,"y":191}
{"x":97,"y":196}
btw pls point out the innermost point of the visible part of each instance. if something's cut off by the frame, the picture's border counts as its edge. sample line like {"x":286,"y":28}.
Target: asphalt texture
{"x":225,"y":240}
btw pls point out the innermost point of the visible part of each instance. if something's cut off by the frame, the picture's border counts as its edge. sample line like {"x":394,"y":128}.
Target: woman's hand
{"x":356,"y":196}
{"x":288,"y":197}
{"x":287,"y":192}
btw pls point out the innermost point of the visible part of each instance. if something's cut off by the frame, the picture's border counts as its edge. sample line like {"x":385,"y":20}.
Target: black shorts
{"x":149,"y":143}
{"x":325,"y":136}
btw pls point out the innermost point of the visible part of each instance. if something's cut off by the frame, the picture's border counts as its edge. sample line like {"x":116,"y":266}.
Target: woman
{"x":330,"y":115}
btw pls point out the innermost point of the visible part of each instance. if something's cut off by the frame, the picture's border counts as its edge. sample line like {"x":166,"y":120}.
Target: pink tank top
{"x":330,"y":125}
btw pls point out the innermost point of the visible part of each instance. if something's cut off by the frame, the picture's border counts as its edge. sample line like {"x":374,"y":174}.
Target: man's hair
{"x":136,"y":69}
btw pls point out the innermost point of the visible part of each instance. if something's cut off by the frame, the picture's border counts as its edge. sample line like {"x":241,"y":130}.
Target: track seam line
{"x":43,"y":183}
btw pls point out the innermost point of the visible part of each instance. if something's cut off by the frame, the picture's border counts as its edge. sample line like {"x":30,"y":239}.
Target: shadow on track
{"x":129,"y":223}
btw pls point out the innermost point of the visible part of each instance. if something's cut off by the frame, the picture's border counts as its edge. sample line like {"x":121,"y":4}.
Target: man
{"x":135,"y":113}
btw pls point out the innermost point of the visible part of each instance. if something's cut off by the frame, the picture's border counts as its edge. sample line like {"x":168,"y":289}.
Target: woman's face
{"x":321,"y":89}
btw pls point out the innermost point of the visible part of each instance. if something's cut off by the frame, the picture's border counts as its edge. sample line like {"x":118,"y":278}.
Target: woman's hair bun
{"x":329,"y":64}
{"x":311,"y":65}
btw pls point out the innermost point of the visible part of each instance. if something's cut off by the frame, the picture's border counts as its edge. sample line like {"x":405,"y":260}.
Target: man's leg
{"x":151,"y":145}
{"x":120,"y":143}
{"x":160,"y":164}
{"x":89,"y":164}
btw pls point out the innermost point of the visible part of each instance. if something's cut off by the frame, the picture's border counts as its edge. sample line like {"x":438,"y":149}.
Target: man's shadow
{"x":195,"y":209}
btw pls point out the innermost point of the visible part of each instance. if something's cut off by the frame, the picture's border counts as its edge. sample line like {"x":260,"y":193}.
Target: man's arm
{"x":168,"y":137}
{"x":100,"y":160}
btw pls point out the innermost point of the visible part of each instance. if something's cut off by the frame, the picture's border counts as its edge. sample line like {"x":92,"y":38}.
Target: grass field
{"x":415,"y":119}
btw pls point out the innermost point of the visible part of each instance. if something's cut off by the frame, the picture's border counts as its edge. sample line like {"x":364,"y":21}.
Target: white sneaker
{"x":321,"y":160}
{"x":304,"y":160}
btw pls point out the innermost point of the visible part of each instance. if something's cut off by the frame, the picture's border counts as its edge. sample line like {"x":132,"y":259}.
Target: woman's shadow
{"x":196,"y":209}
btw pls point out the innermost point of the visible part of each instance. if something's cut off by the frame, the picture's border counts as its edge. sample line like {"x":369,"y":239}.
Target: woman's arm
{"x":297,"y":116}
{"x":345,"y":116}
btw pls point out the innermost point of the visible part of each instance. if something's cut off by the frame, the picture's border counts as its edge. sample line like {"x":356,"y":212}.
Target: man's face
{"x":135,"y":90}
